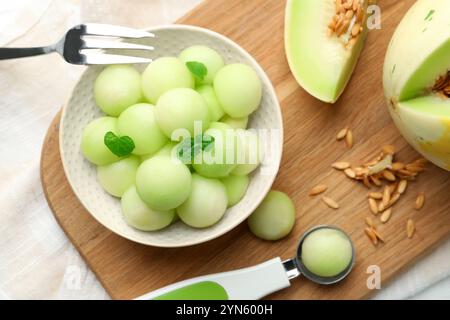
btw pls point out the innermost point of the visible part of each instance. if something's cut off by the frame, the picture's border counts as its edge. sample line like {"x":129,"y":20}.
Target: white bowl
{"x":81,"y":109}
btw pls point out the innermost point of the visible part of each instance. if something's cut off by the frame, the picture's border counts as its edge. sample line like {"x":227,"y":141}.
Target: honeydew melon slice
{"x":321,"y":64}
{"x":419,"y":55}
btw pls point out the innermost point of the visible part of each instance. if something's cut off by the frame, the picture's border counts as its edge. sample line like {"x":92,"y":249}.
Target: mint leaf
{"x":198,"y":69}
{"x":120,"y":146}
{"x":190,"y":147}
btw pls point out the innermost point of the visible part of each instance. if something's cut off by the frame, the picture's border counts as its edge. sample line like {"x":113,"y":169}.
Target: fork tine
{"x":98,"y":29}
{"x":103,"y":58}
{"x":103,"y":44}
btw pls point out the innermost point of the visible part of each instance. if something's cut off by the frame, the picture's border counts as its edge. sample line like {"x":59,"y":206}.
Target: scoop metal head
{"x":301,"y":269}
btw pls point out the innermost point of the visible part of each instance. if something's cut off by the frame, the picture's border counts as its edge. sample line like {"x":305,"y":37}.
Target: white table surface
{"x":37,"y":261}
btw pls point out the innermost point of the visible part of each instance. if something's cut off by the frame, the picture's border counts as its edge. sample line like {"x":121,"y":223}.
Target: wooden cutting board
{"x":127,"y":269}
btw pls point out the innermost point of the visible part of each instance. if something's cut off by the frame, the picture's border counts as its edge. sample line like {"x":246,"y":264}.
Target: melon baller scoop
{"x":249,"y":283}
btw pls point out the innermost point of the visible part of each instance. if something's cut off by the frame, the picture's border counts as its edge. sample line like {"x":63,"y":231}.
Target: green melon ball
{"x":138,"y":215}
{"x":138,"y":122}
{"x":117,"y":177}
{"x":163,"y":182}
{"x":326,"y":252}
{"x":116,"y":88}
{"x":163,"y":75}
{"x":215,"y":110}
{"x":248,"y":156}
{"x":274,"y":218}
{"x":92,"y":141}
{"x":206,"y":204}
{"x":236,"y":123}
{"x":219,"y":160}
{"x":236,"y":187}
{"x":210,"y":58}
{"x":181,"y":109}
{"x":238,"y":89}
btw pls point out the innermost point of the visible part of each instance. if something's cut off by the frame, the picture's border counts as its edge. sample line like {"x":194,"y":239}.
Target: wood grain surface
{"x":127,"y":269}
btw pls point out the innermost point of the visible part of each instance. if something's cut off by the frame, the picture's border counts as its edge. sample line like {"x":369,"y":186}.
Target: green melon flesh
{"x":432,"y":105}
{"x":320,"y":64}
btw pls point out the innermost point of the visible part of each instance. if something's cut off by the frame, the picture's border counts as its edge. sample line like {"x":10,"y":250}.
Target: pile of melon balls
{"x":136,"y":149}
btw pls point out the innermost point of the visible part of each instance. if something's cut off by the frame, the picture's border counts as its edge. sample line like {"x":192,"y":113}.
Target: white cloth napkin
{"x":36,"y":259}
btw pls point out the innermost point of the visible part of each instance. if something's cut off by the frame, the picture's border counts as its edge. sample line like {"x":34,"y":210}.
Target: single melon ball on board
{"x":117,"y":177}
{"x":93,"y":141}
{"x":274,"y":218}
{"x":163,"y":182}
{"x":326,"y":252}
{"x":138,"y":122}
{"x":138,"y":215}
{"x":116,"y":88}
{"x":210,"y":58}
{"x":206,"y":204}
{"x":180,"y":109}
{"x":164,"y":74}
{"x":238,"y":89}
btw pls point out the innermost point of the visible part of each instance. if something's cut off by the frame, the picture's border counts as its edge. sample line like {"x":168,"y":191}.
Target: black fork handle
{"x":12,"y":53}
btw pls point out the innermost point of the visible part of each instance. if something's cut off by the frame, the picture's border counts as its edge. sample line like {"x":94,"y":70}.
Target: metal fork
{"x":75,"y":48}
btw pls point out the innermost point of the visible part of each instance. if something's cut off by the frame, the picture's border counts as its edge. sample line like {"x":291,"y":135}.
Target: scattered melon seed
{"x":389,"y":175}
{"x":373,"y":206}
{"x":318,"y":190}
{"x":372,"y":236}
{"x":341,"y":165}
{"x":386,"y":196}
{"x":341,"y":134}
{"x":350,"y":173}
{"x":420,"y":201}
{"x":369,"y":222}
{"x":330,"y":203}
{"x":375,"y":195}
{"x":349,"y":139}
{"x":402,"y":186}
{"x":386,"y":215}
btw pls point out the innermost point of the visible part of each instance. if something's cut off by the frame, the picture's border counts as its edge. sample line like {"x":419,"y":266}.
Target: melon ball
{"x":92,"y":141}
{"x":163,"y":182}
{"x":138,"y":122}
{"x":210,"y":58}
{"x":180,"y":109}
{"x":326,"y":252}
{"x":116,"y":88}
{"x":238,"y":89}
{"x":274,"y":218}
{"x":215,"y":110}
{"x":236,"y":187}
{"x":164,"y":74}
{"x":206,"y":204}
{"x":220,"y":126}
{"x":138,"y":215}
{"x":248,"y":157}
{"x":119,"y":176}
{"x":218,"y":160}
{"x":236,"y":123}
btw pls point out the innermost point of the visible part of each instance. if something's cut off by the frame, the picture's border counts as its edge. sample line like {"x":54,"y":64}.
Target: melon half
{"x":416,"y":79}
{"x":323,"y":41}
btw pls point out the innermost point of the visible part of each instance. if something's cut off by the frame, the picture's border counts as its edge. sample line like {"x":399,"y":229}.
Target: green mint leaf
{"x":198,"y":69}
{"x":120,"y":146}
{"x":189,"y":148}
